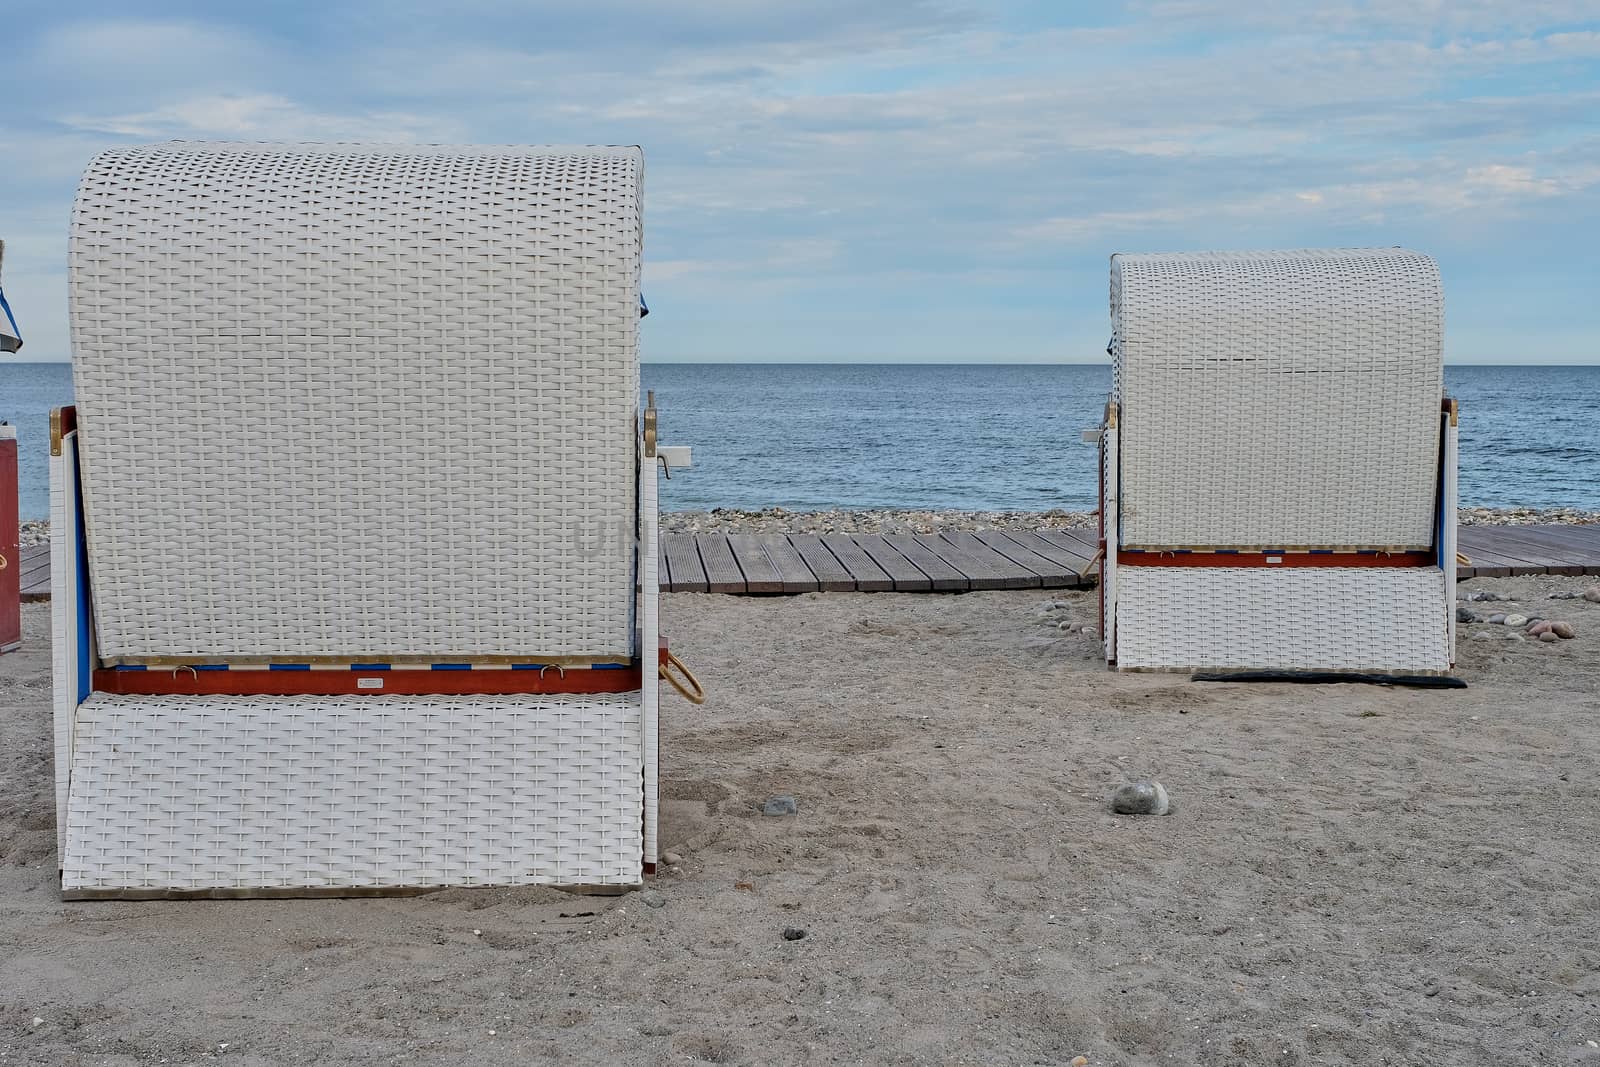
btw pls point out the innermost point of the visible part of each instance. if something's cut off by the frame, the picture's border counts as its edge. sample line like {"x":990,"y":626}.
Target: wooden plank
{"x":1530,"y":543}
{"x":1540,"y":553}
{"x":760,"y":576}
{"x":663,"y":566}
{"x":1065,"y":541}
{"x":34,"y":563}
{"x":1586,"y":535}
{"x":940,"y":575}
{"x":688,"y":573}
{"x":1052,"y":574}
{"x":722,"y":569}
{"x":868,"y":576}
{"x":906,"y":575}
{"x":1577,"y":543}
{"x":792,"y":570}
{"x":1072,"y":559}
{"x":986,"y":568}
{"x":1485,"y":565}
{"x":831,"y":575}
{"x":1085,"y":538}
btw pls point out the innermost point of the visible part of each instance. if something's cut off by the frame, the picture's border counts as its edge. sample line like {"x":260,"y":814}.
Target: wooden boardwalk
{"x":961,"y":562}
{"x":1048,"y":559}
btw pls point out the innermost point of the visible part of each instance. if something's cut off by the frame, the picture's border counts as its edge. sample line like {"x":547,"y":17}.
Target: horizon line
{"x":881,"y":363}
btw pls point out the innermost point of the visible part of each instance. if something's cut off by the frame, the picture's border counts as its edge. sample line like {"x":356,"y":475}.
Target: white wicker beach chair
{"x":1278,"y":464}
{"x":354,"y":523}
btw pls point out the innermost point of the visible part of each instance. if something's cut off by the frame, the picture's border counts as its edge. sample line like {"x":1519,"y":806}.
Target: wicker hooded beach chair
{"x":1279,"y":464}
{"x":354,"y":523}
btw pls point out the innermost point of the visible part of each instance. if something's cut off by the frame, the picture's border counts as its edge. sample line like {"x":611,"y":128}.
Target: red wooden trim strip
{"x":1275,"y":559}
{"x":345,"y":682}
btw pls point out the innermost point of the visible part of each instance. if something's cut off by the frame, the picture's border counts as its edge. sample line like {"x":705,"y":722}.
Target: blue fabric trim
{"x":85,"y":667}
{"x":288,"y":666}
{"x":451,"y":667}
{"x":16,"y":331}
{"x":369,"y":666}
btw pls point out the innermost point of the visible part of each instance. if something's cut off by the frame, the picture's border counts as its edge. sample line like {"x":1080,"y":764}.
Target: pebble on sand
{"x":1141,"y":798}
{"x":1497,"y":618}
{"x":780,"y":806}
{"x":1548,"y":636}
{"x":1563,"y":629}
{"x":671,"y":859}
{"x":650,"y":898}
{"x":793,"y":933}
{"x":1592,"y":594}
{"x":1516,"y":620}
{"x":1466,"y":615}
{"x":1538,"y":629}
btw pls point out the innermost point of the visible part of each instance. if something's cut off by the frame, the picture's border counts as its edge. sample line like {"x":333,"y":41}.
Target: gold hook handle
{"x":690,"y":688}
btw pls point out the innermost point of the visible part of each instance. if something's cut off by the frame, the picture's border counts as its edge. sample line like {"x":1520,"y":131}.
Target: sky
{"x":896,"y":180}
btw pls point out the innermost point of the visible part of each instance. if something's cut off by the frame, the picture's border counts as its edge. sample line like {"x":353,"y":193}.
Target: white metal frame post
{"x":649,"y":643}
{"x":1447,"y":519}
{"x":66,"y":630}
{"x":1109,"y":514}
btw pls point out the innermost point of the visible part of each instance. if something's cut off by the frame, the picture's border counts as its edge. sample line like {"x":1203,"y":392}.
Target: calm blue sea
{"x":976,"y":437}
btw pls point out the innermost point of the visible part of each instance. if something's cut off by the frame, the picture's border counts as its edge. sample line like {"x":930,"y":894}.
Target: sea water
{"x":976,"y":437}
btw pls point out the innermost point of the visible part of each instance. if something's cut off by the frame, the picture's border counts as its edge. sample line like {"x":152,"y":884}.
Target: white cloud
{"x":263,"y":116}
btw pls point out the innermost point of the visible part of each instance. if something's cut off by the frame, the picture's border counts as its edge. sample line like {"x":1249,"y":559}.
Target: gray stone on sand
{"x":1592,"y":594}
{"x":1516,"y":620}
{"x":650,"y":898}
{"x":1498,"y":617}
{"x":1466,"y":615}
{"x":671,"y":859}
{"x":1563,"y":630}
{"x":793,"y":933}
{"x":780,"y":806}
{"x":1141,"y":798}
{"x":1548,"y":636}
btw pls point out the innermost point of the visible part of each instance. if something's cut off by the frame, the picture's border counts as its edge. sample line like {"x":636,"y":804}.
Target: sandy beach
{"x":1352,"y":874}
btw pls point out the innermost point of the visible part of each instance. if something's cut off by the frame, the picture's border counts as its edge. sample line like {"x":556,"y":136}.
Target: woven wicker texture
{"x":376,"y":792}
{"x":1278,"y":398}
{"x":1182,"y":618}
{"x":359,"y":400}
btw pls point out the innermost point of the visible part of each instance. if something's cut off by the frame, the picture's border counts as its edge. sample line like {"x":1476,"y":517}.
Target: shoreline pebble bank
{"x":888,"y":521}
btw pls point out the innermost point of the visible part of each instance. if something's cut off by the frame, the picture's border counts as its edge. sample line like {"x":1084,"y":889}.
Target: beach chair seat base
{"x":1356,"y":619}
{"x":278,"y":796}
